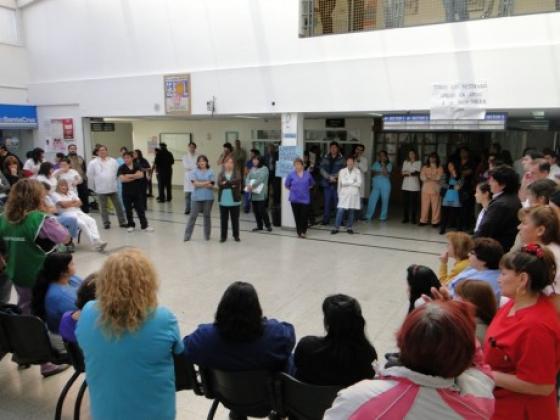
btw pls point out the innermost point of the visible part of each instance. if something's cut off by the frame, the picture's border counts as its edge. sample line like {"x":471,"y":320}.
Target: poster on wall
{"x":286,"y":157}
{"x":61,"y":135}
{"x":177,"y":94}
{"x":459,"y":101}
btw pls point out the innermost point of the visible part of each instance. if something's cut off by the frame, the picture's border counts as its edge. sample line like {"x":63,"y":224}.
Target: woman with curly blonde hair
{"x":128,"y":342}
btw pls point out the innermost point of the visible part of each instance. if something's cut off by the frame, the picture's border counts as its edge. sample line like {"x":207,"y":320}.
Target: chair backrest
{"x":76,"y":356}
{"x":302,"y":401}
{"x":246,"y":393}
{"x":185,"y":375}
{"x":28,"y":339}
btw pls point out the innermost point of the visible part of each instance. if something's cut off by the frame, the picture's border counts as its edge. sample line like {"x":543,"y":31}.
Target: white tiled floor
{"x":292,"y":277}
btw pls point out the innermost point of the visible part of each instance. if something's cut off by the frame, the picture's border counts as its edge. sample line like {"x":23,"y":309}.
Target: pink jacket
{"x":403,"y":393}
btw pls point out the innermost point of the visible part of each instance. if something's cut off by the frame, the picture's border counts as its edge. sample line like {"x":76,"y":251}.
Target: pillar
{"x":292,"y":135}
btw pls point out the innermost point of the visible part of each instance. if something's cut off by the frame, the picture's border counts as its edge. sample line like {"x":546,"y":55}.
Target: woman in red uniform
{"x":523,"y":341}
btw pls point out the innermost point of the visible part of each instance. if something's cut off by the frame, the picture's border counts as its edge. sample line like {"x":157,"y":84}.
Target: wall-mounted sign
{"x":459,"y":101}
{"x":18,"y":116}
{"x":177,"y":93}
{"x":335,"y":122}
{"x":286,"y":157}
{"x":102,"y":126}
{"x":494,"y":121}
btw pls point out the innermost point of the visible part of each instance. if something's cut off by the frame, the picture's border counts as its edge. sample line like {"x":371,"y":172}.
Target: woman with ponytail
{"x":54,"y":292}
{"x":345,"y":355}
{"x":522,"y":344}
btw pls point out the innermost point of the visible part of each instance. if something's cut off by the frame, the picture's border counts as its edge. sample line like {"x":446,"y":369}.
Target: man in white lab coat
{"x":189,"y":163}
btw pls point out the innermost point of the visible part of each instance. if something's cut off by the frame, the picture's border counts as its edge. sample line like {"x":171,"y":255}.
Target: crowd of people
{"x":481,"y":338}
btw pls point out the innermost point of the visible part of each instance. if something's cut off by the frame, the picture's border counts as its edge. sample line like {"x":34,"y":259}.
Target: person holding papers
{"x":257,"y":185}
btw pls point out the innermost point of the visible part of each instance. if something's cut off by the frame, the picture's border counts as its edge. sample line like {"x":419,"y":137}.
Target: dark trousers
{"x":450,"y":216}
{"x":301,"y":215}
{"x":410,"y":205}
{"x":467,"y":217}
{"x":261,"y":214}
{"x":83,"y":195}
{"x":135,"y":201}
{"x":229,"y":213}
{"x":164,"y":185}
{"x":330,"y":201}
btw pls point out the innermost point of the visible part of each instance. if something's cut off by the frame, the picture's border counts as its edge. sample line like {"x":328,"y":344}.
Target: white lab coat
{"x":189,"y":163}
{"x":349,"y":183}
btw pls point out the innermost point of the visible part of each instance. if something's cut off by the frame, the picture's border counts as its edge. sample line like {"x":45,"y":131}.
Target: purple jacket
{"x":299,"y":187}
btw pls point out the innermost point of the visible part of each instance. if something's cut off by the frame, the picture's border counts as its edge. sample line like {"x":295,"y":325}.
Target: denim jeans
{"x":340,"y":216}
{"x":330,"y":201}
{"x":70,"y":223}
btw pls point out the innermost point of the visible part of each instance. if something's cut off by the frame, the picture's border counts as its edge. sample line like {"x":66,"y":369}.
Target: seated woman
{"x":438,"y":378}
{"x":459,"y":244}
{"x":522,"y":342}
{"x":46,"y":175}
{"x":71,"y":176}
{"x":240,"y":337}
{"x":421,"y":280}
{"x":128,"y":342}
{"x":484,"y":260}
{"x":12,"y":170}
{"x":69,"y":321}
{"x":68,"y":203}
{"x":54,"y":292}
{"x":541,"y":225}
{"x":345,"y":355}
{"x":481,"y":295}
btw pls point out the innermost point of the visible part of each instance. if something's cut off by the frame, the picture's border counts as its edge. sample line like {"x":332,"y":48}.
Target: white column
{"x":292,"y":135}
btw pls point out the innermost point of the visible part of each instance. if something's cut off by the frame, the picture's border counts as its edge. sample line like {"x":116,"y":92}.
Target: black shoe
{"x":334,"y":231}
{"x":237,"y":240}
{"x":256,"y":229}
{"x":435,"y":226}
{"x":324,"y":223}
{"x":125,"y":225}
{"x":107,"y":225}
{"x":350,"y":231}
{"x":159,"y":200}
{"x":405,"y":221}
{"x":269,"y":229}
{"x":169,"y":199}
{"x":187,"y":212}
{"x":422,"y":224}
{"x":222,"y":240}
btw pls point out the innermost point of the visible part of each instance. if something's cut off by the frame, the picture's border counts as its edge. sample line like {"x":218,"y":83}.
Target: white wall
{"x":114,"y":140}
{"x":14,"y":72}
{"x":110,"y":56}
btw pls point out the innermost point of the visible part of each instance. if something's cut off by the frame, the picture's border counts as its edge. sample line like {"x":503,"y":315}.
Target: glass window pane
{"x":8,"y":26}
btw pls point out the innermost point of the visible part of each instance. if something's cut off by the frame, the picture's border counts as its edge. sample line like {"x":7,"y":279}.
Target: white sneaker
{"x":130,"y":229}
{"x":100,"y":246}
{"x":148,"y":229}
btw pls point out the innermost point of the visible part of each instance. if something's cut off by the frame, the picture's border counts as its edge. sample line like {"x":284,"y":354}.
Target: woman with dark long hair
{"x":420,"y":281}
{"x":344,"y":356}
{"x":240,"y":337}
{"x":32,"y":164}
{"x":257,"y":186}
{"x":46,"y":175}
{"x":202,"y":197}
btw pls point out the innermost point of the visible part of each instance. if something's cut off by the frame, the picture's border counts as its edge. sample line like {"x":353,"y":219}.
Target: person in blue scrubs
{"x":381,"y":186}
{"x":128,"y":342}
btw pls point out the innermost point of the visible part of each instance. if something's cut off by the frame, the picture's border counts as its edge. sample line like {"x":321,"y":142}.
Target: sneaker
{"x":50,"y":369}
{"x":148,"y":229}
{"x":350,"y":231}
{"x":269,"y":229}
{"x":100,"y":246}
{"x":130,"y":229}
{"x":334,"y":231}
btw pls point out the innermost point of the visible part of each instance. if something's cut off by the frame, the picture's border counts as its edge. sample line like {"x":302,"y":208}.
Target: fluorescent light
{"x":249,"y":117}
{"x":375,"y":114}
{"x":538,"y":114}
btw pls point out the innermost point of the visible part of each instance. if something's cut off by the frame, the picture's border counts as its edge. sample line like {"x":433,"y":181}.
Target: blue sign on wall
{"x":18,"y":116}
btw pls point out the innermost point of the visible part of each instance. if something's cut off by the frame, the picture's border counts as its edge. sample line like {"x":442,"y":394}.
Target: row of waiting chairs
{"x":250,"y":393}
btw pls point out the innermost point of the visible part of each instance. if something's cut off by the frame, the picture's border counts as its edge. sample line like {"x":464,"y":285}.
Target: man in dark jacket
{"x":163,"y":165}
{"x":331,"y":165}
{"x":500,"y":220}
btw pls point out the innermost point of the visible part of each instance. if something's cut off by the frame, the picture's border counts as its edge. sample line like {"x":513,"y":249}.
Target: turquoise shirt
{"x":132,"y":376}
{"x":202,"y":194}
{"x":226,"y":199}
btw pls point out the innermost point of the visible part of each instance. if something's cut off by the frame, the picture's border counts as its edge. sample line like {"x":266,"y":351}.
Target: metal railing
{"x":321,"y":17}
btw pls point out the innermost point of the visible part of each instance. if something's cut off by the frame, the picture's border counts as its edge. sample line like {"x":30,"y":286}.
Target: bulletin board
{"x":177,"y":143}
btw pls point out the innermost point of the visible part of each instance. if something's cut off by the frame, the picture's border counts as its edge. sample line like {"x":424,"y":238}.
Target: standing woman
{"x":411,"y":186}
{"x":381,"y":186}
{"x":451,"y":202}
{"x":257,"y":180}
{"x":145,"y":168}
{"x":482,"y":196}
{"x":202,"y":197}
{"x":29,"y":235}
{"x":229,"y":198}
{"x":522,"y":344}
{"x":349,"y":181}
{"x":128,"y":342}
{"x":300,"y":182}
{"x":31,"y":165}
{"x":431,"y":176}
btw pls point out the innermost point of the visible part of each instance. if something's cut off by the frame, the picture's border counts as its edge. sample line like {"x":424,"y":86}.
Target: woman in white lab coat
{"x":189,"y":163}
{"x":349,"y":181}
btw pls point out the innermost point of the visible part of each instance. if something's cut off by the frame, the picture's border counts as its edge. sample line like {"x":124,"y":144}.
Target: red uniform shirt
{"x":527,"y":345}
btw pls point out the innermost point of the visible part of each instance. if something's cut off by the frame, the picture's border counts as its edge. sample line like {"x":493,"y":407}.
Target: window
{"x":8,"y":26}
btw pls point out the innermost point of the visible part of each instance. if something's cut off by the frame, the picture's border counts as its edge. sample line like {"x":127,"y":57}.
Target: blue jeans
{"x":340,"y":215}
{"x":70,"y":223}
{"x":330,"y":195}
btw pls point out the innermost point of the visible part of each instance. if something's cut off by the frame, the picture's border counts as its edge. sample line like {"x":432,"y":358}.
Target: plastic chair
{"x":77,"y":359}
{"x":300,"y":401}
{"x":185,"y":375}
{"x":246,"y":393}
